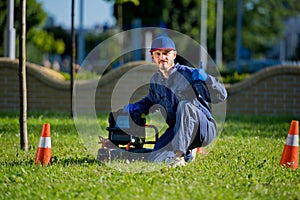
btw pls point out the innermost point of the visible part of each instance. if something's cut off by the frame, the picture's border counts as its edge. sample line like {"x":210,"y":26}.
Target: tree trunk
{"x":22,"y":79}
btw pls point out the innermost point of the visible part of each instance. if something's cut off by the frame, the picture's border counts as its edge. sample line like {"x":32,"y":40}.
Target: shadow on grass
{"x":76,"y":161}
{"x":17,"y":163}
{"x":55,"y":161}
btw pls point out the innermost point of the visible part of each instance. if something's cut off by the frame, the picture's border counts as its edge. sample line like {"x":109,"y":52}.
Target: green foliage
{"x":35,"y":15}
{"x":86,"y":75}
{"x":243,"y":164}
{"x":46,"y":41}
{"x":148,"y":11}
{"x":38,"y":39}
{"x":234,"y":77}
{"x":65,"y":75}
{"x":136,"y":2}
{"x":33,"y":53}
{"x":262,"y":24}
{"x":184,"y":16}
{"x":59,"y":34}
{"x":81,"y":76}
{"x":94,"y":38}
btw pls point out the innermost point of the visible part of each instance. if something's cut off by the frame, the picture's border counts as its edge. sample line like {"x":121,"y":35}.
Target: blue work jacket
{"x":180,"y":85}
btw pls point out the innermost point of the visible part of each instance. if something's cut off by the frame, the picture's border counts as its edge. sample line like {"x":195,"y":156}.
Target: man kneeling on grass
{"x":183,"y":94}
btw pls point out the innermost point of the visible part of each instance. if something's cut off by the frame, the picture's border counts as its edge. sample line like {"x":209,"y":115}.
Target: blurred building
{"x":287,"y":46}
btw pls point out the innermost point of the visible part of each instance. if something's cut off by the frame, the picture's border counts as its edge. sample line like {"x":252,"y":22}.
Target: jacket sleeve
{"x":146,"y":102}
{"x":217,"y":91}
{"x":210,"y":90}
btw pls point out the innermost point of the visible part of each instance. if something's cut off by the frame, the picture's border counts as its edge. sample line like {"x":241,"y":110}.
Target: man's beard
{"x":163,"y":66}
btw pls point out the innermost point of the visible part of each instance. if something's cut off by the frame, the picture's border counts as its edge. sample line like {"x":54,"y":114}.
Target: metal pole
{"x":81,"y":42}
{"x":10,"y":33}
{"x":120,"y":25}
{"x":219,"y":32}
{"x":148,"y":40}
{"x":203,"y":31}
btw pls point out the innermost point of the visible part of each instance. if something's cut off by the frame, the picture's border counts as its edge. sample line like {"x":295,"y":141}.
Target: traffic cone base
{"x":290,"y":154}
{"x":44,"y":152}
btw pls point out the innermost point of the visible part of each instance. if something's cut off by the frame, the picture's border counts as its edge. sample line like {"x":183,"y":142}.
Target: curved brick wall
{"x":271,"y":91}
{"x":46,"y":89}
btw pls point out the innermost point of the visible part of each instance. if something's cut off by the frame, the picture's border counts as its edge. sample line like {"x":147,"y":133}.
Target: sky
{"x":95,"y":12}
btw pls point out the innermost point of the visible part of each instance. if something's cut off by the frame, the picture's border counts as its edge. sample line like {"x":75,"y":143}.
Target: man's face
{"x":164,"y":58}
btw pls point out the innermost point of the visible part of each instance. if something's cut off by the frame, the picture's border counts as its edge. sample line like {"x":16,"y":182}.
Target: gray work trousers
{"x":192,"y":129}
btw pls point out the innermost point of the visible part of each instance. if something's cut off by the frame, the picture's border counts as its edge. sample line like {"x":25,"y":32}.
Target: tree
{"x":37,"y":38}
{"x":148,"y":11}
{"x":262,"y":23}
{"x":62,"y":40}
{"x":184,"y":16}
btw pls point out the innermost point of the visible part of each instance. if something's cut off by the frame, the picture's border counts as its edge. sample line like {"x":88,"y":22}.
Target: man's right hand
{"x":199,"y":74}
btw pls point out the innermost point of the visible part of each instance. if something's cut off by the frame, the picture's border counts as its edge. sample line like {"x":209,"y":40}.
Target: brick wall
{"x":46,"y":89}
{"x":271,"y":91}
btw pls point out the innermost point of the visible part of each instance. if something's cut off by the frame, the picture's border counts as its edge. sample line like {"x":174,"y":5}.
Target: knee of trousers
{"x":184,"y":105}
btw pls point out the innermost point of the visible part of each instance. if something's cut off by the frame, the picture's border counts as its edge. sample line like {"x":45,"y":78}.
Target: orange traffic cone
{"x":290,"y":153}
{"x":44,"y":152}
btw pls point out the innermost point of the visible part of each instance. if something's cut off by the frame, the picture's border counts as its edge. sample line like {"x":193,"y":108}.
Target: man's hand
{"x":131,"y":108}
{"x":199,"y":74}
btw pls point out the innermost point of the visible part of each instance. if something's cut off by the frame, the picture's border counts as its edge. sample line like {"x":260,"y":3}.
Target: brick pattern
{"x":46,"y":90}
{"x":271,"y":91}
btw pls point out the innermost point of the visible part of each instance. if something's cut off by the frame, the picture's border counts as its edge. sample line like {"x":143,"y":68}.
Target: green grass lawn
{"x":243,"y":164}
